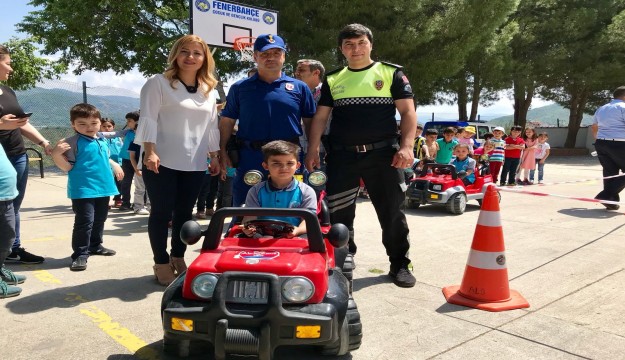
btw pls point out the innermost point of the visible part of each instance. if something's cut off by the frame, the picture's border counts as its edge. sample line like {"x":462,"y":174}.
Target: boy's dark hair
{"x":108,"y":120}
{"x":352,"y":31}
{"x":459,"y":129}
{"x":449,"y":130}
{"x":516,"y":128}
{"x":83,"y":110}
{"x":419,"y":126}
{"x":431,"y":132}
{"x":134,"y":115}
{"x":619,"y":92}
{"x":461,"y":145}
{"x":279,"y":147}
{"x":544,"y":134}
{"x":488,"y":136}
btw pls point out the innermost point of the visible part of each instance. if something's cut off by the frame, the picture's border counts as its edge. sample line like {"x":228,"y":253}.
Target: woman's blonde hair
{"x":205,"y":75}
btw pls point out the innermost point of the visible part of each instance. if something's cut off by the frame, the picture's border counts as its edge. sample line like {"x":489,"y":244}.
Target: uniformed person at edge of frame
{"x":269,"y":106}
{"x":608,"y":129}
{"x":363,"y":144}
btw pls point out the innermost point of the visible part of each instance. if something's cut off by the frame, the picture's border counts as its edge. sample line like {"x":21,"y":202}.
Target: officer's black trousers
{"x":386,"y":187}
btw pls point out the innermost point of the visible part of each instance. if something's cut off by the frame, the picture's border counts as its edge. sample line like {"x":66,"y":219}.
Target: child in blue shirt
{"x":115,"y":146}
{"x":281,"y":190}
{"x":132,"y":121}
{"x":463,"y":162}
{"x":90,"y":182}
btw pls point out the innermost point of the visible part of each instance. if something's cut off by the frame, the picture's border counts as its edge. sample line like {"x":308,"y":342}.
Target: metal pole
{"x":432,"y":116}
{"x":84,"y":92}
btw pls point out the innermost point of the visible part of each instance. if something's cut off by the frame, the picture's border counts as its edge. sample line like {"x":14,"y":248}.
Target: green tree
{"x":482,"y":74}
{"x":584,"y":57}
{"x":29,"y":69}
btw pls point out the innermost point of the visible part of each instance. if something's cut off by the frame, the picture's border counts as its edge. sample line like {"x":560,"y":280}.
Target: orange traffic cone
{"x":485,"y":282}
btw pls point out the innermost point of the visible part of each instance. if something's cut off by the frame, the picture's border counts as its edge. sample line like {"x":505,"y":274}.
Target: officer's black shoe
{"x":403,"y":277}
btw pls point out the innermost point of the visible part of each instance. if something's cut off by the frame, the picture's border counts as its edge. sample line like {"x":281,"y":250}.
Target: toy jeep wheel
{"x":411,"y":204}
{"x":348,"y":270}
{"x":350,"y":334}
{"x":457,"y":203}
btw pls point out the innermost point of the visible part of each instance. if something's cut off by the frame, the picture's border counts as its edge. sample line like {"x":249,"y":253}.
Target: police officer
{"x":609,"y":131}
{"x":363,"y":144}
{"x":269,"y":106}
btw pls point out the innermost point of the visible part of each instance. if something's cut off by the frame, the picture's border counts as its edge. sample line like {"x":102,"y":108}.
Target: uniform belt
{"x":258,"y":144}
{"x":366,"y":147}
{"x":611,"y":139}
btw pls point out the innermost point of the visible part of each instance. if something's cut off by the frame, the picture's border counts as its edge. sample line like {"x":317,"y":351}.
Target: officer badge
{"x":289,"y":86}
{"x":270,"y":39}
{"x":379,"y":84}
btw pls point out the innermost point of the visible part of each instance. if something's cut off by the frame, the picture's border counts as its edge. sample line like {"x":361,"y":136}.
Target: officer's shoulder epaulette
{"x":391,"y":64}
{"x":335,"y":71}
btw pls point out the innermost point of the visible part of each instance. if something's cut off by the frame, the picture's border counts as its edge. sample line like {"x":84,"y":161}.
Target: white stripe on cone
{"x":487,"y":260}
{"x":489,"y":218}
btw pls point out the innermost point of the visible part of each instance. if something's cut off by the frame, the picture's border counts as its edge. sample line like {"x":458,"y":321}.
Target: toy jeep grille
{"x":420,"y":185}
{"x":248,"y":292}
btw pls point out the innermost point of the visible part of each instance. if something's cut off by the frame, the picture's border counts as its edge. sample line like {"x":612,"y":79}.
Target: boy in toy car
{"x":463,"y":163}
{"x":281,"y":190}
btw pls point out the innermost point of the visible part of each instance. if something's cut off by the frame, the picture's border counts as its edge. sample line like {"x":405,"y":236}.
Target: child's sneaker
{"x":125,"y":208}
{"x":117,"y":203}
{"x":7,"y":290}
{"x":11,"y":278}
{"x":142,"y":211}
{"x":21,"y":256}
{"x":540,"y":181}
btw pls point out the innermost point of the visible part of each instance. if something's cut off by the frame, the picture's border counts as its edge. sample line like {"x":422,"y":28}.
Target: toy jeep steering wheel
{"x":275,"y":228}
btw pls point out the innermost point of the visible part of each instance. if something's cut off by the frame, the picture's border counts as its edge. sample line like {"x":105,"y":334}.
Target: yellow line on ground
{"x":46,"y":277}
{"x":120,"y":334}
{"x":113,"y":329}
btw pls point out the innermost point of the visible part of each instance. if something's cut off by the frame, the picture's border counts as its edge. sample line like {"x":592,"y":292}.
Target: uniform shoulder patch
{"x":391,"y":64}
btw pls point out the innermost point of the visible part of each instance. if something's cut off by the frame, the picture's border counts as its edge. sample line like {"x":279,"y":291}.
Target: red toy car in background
{"x":248,"y":296}
{"x":441,"y":184}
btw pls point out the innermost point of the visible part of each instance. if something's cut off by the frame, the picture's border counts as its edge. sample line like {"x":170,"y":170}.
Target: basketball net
{"x":245,"y":45}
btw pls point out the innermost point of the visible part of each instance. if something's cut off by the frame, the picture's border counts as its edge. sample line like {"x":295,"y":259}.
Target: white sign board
{"x":220,"y":22}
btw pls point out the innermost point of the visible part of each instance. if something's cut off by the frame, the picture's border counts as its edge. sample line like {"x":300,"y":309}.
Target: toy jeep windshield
{"x":248,"y":296}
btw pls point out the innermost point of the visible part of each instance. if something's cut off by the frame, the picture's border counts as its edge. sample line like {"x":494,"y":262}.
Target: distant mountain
{"x":50,"y":107}
{"x":546,"y":116}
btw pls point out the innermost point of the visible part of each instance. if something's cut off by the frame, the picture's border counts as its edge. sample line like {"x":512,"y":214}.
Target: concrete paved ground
{"x":565,"y":257}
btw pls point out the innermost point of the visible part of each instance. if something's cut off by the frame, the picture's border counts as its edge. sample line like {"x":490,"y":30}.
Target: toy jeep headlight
{"x":317,"y":178}
{"x":252,"y":177}
{"x":297,"y":289}
{"x":203,"y":285}
{"x":437,"y":187}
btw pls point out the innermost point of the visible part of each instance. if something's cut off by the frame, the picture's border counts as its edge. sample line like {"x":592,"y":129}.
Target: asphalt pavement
{"x":565,"y":256}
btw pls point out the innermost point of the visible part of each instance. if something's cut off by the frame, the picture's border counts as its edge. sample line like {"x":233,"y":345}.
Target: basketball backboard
{"x":220,"y":22}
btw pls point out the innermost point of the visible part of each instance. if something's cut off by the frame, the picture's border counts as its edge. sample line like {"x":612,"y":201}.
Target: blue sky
{"x":11,"y":15}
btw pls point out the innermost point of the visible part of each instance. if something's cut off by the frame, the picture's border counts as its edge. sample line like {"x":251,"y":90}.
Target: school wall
{"x":557,"y":137}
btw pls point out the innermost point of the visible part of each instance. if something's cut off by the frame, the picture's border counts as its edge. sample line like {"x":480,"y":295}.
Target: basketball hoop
{"x":245,"y":45}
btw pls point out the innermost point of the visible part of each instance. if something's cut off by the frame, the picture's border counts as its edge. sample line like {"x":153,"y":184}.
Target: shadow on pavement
{"x":154,"y":351}
{"x":450,"y":308}
{"x":585,"y":213}
{"x":362,"y":283}
{"x":127,"y":290}
{"x":48,"y":264}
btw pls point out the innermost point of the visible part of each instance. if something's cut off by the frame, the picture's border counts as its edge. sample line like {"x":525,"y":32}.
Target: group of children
{"x":126,"y":152}
{"x":516,"y":156}
{"x":92,"y":157}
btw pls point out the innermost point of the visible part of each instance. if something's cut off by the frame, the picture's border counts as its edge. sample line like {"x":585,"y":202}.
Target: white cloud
{"x":132,"y":80}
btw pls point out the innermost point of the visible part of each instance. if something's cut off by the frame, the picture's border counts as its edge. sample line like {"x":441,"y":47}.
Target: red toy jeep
{"x":248,"y":296}
{"x":441,"y":184}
